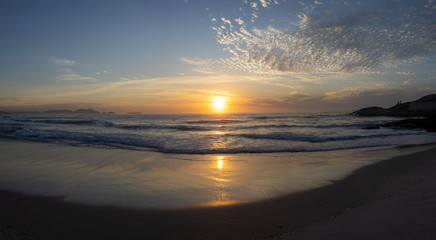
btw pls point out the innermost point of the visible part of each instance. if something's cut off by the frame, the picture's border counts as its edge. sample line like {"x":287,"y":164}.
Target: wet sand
{"x":377,"y":188}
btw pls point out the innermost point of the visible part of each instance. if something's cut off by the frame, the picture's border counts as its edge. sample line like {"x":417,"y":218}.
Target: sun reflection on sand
{"x":220,"y":162}
{"x":221,"y":195}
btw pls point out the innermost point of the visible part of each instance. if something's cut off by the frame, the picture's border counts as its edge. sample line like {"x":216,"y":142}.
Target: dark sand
{"x":369,"y":198}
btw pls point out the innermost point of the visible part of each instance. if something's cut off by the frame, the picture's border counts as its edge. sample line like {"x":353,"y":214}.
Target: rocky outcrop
{"x":429,"y":124}
{"x":423,"y":107}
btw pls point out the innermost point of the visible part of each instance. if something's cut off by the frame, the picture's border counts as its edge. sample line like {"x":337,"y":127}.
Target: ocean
{"x":177,"y":161}
{"x":212,"y":134}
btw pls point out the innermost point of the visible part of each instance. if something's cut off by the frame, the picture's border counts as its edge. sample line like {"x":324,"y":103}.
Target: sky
{"x":188,"y":56}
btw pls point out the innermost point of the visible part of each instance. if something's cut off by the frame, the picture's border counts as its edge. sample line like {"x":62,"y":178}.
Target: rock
{"x":429,"y":124}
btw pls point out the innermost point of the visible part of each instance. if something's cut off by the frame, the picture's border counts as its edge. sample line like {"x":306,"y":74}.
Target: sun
{"x":219,"y":103}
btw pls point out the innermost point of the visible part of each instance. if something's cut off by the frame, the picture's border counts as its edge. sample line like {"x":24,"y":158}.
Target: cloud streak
{"x":64,"y":62}
{"x":70,"y":75}
{"x":405,"y":73}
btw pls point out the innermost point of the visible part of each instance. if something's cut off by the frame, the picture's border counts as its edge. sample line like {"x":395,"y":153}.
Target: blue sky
{"x":177,"y":56}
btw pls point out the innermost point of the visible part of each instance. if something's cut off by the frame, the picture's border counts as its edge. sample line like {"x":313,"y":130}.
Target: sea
{"x":212,"y":134}
{"x":151,"y":161}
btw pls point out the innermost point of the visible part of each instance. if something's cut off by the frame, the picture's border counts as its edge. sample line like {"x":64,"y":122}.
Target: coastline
{"x":36,"y":217}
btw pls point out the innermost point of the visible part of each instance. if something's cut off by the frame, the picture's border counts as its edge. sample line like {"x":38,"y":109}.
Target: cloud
{"x":253,"y":5}
{"x":239,"y":21}
{"x":225,"y":20}
{"x":345,"y":99}
{"x":344,"y":93}
{"x":75,"y":77}
{"x":333,"y":38}
{"x":294,"y":101}
{"x":101,"y":72}
{"x":408,"y":83}
{"x":196,"y":61}
{"x":64,"y":62}
{"x":295,"y":96}
{"x":405,"y":73}
{"x":70,"y":75}
{"x":266,"y":3}
{"x":364,"y":90}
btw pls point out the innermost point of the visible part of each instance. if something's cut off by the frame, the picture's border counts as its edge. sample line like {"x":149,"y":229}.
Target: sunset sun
{"x":219,"y":103}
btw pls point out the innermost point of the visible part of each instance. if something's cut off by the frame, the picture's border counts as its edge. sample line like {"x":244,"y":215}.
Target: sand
{"x":403,"y":208}
{"x":392,"y":199}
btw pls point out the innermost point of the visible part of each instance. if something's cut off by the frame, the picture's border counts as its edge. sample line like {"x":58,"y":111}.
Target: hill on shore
{"x":423,"y":107}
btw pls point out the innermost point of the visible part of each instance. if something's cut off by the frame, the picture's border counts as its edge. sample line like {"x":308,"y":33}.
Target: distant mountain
{"x":78,"y":111}
{"x":86,"y":111}
{"x":58,"y":111}
{"x":423,"y":107}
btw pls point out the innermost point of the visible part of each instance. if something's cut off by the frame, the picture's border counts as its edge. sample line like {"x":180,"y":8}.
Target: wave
{"x":316,"y":139}
{"x":242,"y":133}
{"x":94,"y":122}
{"x":247,"y":123}
{"x":10,"y":128}
{"x":297,"y":116}
{"x":57,"y":136}
{"x":136,"y":142}
{"x":171,"y":127}
{"x":60,"y":121}
{"x":327,"y":126}
{"x":268,"y":150}
{"x":221,"y":121}
{"x":205,"y":144}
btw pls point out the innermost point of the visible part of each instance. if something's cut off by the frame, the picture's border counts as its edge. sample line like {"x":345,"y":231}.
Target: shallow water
{"x":141,"y":179}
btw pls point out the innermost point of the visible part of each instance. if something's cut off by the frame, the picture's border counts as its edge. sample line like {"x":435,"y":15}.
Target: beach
{"x":403,"y":208}
{"x":218,"y":120}
{"x":370,"y":198}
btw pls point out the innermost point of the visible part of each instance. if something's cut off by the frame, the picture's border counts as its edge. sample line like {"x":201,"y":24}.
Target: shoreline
{"x":153,"y":180}
{"x":37,"y":217}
